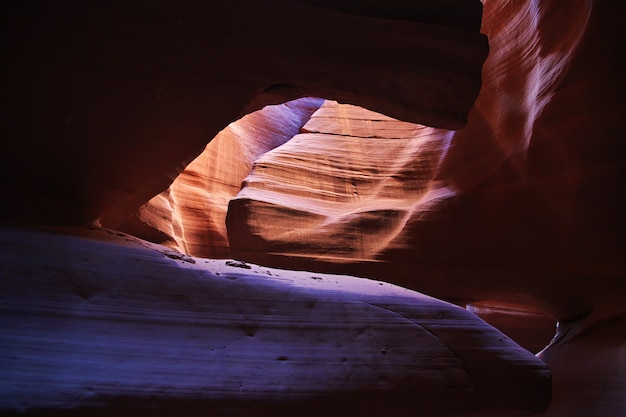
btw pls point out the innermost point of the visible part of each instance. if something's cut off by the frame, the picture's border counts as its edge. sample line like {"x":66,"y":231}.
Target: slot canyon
{"x":313,"y":208}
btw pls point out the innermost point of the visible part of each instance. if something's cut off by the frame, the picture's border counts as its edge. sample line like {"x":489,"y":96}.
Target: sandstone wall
{"x":105,"y":104}
{"x":521,"y":203}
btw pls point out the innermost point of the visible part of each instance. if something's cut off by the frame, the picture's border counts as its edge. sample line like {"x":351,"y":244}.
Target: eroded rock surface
{"x":191,"y":214}
{"x":95,"y":321}
{"x":340,"y":191}
{"x":530,"y":326}
{"x":105,"y":104}
{"x":520,"y":204}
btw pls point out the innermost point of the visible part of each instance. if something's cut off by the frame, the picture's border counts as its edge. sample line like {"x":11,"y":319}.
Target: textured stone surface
{"x":104,"y":104}
{"x":521,"y":203}
{"x":341,"y":190}
{"x":96,"y":321}
{"x":191,"y":214}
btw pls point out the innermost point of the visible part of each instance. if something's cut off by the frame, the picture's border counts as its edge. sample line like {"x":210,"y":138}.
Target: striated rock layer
{"x":519,"y":206}
{"x":105,"y":104}
{"x":191,"y":214}
{"x":96,"y":321}
{"x":340,"y":191}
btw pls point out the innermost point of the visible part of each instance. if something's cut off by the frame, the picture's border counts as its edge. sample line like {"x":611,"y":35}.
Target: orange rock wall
{"x":340,"y":191}
{"x":191,"y":214}
{"x":522,"y":202}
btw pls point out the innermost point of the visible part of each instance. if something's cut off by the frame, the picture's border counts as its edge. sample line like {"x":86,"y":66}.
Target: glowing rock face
{"x":341,"y":190}
{"x":191,"y":214}
{"x":517,"y":189}
{"x":95,"y":321}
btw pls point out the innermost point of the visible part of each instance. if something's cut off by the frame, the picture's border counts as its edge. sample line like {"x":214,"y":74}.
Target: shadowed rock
{"x":96,"y":321}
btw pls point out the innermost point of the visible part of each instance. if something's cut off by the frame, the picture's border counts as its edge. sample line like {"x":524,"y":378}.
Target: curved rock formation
{"x":521,"y":208}
{"x":586,"y":358}
{"x":191,"y":214}
{"x":520,"y":211}
{"x":340,"y":191}
{"x":526,"y":190}
{"x":96,"y":321}
{"x":107,"y":103}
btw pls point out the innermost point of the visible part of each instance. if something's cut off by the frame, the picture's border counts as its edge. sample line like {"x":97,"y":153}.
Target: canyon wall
{"x":104,"y":105}
{"x":516,"y":214}
{"x":527,"y":190}
{"x":191,"y":214}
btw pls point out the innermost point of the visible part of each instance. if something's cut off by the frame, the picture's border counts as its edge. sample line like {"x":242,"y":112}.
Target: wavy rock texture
{"x":191,"y":214}
{"x":341,"y":190}
{"x":109,"y":102}
{"x":525,"y":190}
{"x":521,"y":208}
{"x":96,"y":321}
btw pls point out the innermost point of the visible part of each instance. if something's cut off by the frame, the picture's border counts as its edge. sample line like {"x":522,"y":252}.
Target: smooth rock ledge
{"x":96,"y":322}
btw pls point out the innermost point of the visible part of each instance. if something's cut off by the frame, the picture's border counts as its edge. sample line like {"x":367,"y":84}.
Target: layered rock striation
{"x":105,"y":104}
{"x":190,"y":215}
{"x":341,"y":190}
{"x":521,"y":202}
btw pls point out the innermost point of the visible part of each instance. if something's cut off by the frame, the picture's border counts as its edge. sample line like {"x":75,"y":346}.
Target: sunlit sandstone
{"x":191,"y":214}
